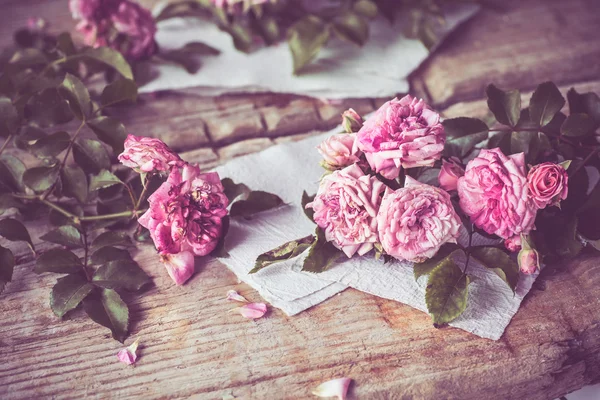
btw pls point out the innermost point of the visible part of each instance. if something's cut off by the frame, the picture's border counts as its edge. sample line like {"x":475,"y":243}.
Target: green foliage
{"x":447,"y":251}
{"x":106,"y":308}
{"x":463,"y":134}
{"x":305,"y":39}
{"x":506,"y":106}
{"x":446,"y":293}
{"x":111,"y":238}
{"x":500,"y":263}
{"x":7,"y":265}
{"x":322,"y":254}
{"x":68,"y":293}
{"x":284,"y":252}
{"x":545,"y":102}
{"x":66,"y":235}
{"x":103,"y":180}
{"x":90,"y":155}
{"x":309,"y":212}
{"x":58,"y":261}
{"x":15,"y":231}
{"x":121,"y":274}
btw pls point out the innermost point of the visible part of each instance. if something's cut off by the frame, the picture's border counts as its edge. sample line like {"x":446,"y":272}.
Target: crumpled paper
{"x":342,"y":70}
{"x":291,"y":168}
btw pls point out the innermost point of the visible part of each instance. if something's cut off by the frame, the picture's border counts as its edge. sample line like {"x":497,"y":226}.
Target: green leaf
{"x":91,"y":155}
{"x":367,"y":8}
{"x":463,"y":126}
{"x":7,"y":201}
{"x":586,"y":103}
{"x":11,"y":173}
{"x":200,"y":49}
{"x":15,"y":231}
{"x":7,"y":266}
{"x":108,"y":309}
{"x":322,"y":254}
{"x":269,"y":29}
{"x":77,"y":95}
{"x":234,"y":190}
{"x":103,"y":180}
{"x":305,"y":39}
{"x":59,"y":261}
{"x":27,"y":58}
{"x":74,"y":183}
{"x":506,"y":106}
{"x":41,"y":178}
{"x":51,"y":146}
{"x":65,"y":44}
{"x":110,"y":130}
{"x":66,"y":235}
{"x":48,"y":108}
{"x":257,"y":201}
{"x":351,"y":27}
{"x":577,"y":125}
{"x":545,"y":102}
{"x":119,"y":91}
{"x":309,"y":212}
{"x":9,"y":117}
{"x":109,"y":57}
{"x":121,"y":274}
{"x":446,"y":293}
{"x":499,"y":262}
{"x":284,"y":252}
{"x":110,"y":238}
{"x":449,"y":250}
{"x":109,"y":253}
{"x":502,"y":140}
{"x":68,"y":292}
{"x":242,"y":36}
{"x":568,"y":244}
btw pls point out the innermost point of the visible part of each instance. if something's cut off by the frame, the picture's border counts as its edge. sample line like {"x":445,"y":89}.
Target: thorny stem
{"x":5,"y":144}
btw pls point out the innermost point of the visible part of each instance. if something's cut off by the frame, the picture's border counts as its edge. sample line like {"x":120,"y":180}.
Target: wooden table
{"x":192,"y":347}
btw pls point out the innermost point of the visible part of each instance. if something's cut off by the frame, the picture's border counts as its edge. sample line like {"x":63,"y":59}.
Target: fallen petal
{"x":232,"y":295}
{"x":253,"y":310}
{"x":333,"y":388}
{"x":180,"y":266}
{"x":128,"y":355}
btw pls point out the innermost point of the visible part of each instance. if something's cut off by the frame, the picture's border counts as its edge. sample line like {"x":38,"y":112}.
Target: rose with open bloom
{"x":416,"y":220}
{"x":346,"y":207}
{"x":449,"y":173}
{"x":185,"y":218}
{"x":493,"y":193}
{"x":402,"y":133}
{"x":548,"y":184}
{"x":337,"y":151}
{"x":145,"y":154}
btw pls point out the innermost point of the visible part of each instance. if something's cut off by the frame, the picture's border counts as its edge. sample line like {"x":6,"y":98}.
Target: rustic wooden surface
{"x":191,"y":345}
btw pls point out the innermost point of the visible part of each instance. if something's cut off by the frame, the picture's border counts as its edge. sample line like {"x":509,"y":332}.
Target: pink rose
{"x":337,"y":151}
{"x":493,"y":193}
{"x":138,"y":28}
{"x":548,"y":184}
{"x":346,"y":207}
{"x":351,"y":121}
{"x":84,"y":9}
{"x":513,"y":244}
{"x":402,"y":133}
{"x":528,"y":258}
{"x":416,"y":220}
{"x":449,"y":174}
{"x":145,"y":154}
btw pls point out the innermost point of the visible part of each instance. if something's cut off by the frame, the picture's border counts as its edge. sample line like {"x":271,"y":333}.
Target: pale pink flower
{"x":337,"y":151}
{"x":548,"y":184}
{"x":449,"y":173}
{"x":145,"y":154}
{"x":85,"y":9}
{"x":346,"y":207}
{"x":180,"y":266}
{"x":232,"y":295}
{"x":529,"y":259}
{"x":416,"y":220}
{"x":253,"y":310}
{"x":493,"y":193}
{"x":513,"y":244}
{"x":185,"y":212}
{"x":351,"y":121}
{"x":334,"y":388}
{"x":402,"y":133}
{"x":137,"y":27}
{"x":128,"y":355}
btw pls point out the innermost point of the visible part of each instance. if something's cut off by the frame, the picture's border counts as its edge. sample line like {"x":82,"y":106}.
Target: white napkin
{"x":342,"y":70}
{"x":289,"y":169}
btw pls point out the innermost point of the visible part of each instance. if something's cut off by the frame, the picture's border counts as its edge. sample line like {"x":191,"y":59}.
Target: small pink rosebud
{"x":529,"y":261}
{"x":253,"y":310}
{"x":333,"y":388}
{"x":513,"y":244}
{"x":449,"y":174}
{"x":232,"y":295}
{"x":338,"y":151}
{"x":351,"y":121}
{"x":180,"y":266}
{"x":128,"y":354}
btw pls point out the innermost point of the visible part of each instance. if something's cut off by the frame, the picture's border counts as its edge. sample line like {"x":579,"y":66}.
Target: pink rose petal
{"x":180,"y":266}
{"x":333,"y":388}
{"x":253,"y":310}
{"x":232,"y":295}
{"x":128,"y":355}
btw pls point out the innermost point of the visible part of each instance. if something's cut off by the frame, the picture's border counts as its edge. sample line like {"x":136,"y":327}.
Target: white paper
{"x":291,"y":168}
{"x":342,"y":70}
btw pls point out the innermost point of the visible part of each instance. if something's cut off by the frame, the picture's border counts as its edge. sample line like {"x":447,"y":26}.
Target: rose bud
{"x":548,"y":183}
{"x":449,"y":174}
{"x":337,"y":151}
{"x":145,"y":154}
{"x":128,"y":355}
{"x":529,"y":261}
{"x":513,"y":243}
{"x":351,"y":121}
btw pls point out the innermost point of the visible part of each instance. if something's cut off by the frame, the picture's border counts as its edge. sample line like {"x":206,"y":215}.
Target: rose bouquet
{"x":406,"y":185}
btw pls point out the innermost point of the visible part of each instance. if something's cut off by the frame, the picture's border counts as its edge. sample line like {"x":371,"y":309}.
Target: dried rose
{"x":415,"y":221}
{"x":346,"y":207}
{"x":402,"y":133}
